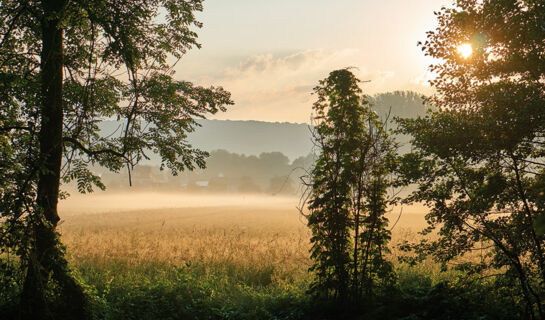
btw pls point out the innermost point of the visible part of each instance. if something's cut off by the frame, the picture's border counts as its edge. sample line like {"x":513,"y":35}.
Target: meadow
{"x":249,"y":231}
{"x":175,"y":256}
{"x":144,"y":255}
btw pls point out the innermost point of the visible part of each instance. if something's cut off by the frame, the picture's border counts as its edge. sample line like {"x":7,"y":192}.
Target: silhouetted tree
{"x":348,"y":192}
{"x":479,"y":159}
{"x":65,"y":66}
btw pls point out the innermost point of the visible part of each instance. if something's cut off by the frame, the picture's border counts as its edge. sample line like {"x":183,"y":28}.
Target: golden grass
{"x":249,"y":232}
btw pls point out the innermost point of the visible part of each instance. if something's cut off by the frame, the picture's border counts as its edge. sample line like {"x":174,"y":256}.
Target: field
{"x":194,"y":256}
{"x":236,"y":256}
{"x":243,"y":230}
{"x":257,"y":235}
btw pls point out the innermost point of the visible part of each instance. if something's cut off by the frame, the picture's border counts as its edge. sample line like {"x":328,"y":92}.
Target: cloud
{"x":422,"y":83}
{"x":278,"y":87}
{"x":297,"y":67}
{"x":424,"y":79}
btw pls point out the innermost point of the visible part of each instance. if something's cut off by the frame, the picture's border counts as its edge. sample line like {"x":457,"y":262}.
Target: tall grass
{"x":216,"y":262}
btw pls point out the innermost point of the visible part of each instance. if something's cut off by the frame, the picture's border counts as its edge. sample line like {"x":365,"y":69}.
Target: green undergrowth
{"x":121,"y":290}
{"x":191,"y":291}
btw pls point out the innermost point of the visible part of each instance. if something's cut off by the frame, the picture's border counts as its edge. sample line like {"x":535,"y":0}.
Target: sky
{"x":270,"y":54}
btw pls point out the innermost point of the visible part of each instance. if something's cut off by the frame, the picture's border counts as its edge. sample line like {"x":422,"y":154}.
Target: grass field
{"x":250,"y":231}
{"x":175,"y":256}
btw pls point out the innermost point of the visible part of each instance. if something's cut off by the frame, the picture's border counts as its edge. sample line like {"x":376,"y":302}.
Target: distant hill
{"x":291,"y":139}
{"x":251,"y":138}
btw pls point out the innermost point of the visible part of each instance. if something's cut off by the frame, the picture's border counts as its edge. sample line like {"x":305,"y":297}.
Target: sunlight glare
{"x":465,"y":50}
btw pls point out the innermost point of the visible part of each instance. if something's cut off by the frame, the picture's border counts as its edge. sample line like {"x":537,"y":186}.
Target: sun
{"x":465,"y":50}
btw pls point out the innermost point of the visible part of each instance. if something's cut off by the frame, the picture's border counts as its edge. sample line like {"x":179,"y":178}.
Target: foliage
{"x":348,"y":193}
{"x":479,"y":159}
{"x":65,"y":66}
{"x":156,"y":291}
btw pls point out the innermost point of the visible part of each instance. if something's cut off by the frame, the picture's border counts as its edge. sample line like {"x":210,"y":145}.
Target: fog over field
{"x":225,"y":206}
{"x":249,"y":231}
{"x":100,"y":202}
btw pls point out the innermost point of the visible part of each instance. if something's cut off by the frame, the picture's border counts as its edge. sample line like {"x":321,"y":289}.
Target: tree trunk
{"x":52,"y":112}
{"x":46,"y":257}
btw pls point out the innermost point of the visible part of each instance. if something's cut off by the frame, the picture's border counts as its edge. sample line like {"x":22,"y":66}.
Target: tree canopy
{"x":478,"y":160}
{"x":65,"y":66}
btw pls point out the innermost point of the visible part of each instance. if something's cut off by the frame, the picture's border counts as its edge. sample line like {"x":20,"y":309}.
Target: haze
{"x":102,"y":202}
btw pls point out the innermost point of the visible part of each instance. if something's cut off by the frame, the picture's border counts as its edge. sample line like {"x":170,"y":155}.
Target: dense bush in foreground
{"x":156,"y":291}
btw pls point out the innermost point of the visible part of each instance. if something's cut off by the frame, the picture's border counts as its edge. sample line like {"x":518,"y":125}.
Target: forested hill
{"x":291,"y":139}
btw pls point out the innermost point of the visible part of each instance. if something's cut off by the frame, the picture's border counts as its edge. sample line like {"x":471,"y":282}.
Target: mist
{"x":116,"y":201}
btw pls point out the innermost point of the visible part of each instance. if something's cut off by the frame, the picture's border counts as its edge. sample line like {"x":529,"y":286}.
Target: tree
{"x":479,"y":159}
{"x":65,"y":67}
{"x":348,"y":196}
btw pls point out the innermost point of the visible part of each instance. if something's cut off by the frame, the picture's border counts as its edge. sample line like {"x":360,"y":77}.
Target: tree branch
{"x":90,"y":152}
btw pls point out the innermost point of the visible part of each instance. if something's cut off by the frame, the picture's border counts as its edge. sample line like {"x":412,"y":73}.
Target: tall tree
{"x":348,"y":184}
{"x":64,"y":67}
{"x":479,"y":160}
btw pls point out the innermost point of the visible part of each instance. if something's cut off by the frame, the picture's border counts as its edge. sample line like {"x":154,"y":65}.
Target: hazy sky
{"x":270,"y":53}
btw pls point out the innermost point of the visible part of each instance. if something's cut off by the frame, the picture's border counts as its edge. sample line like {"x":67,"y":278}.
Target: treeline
{"x":226,"y":172}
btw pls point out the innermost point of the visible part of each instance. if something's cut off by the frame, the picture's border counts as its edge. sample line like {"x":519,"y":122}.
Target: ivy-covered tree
{"x":479,"y":159}
{"x":65,"y":66}
{"x":348,"y":199}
